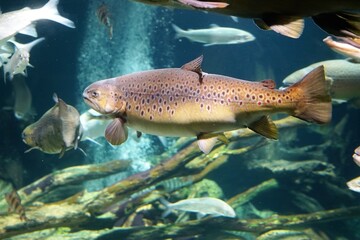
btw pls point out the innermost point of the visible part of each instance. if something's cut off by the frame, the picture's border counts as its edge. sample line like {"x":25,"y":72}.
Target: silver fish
{"x":93,"y":125}
{"x":215,"y":35}
{"x":20,"y":60}
{"x":203,"y":206}
{"x":22,"y":21}
{"x":356,"y":156}
{"x":354,"y":184}
{"x":344,"y":77}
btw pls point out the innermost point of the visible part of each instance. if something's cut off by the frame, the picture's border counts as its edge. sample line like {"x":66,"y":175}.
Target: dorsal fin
{"x":269,"y":83}
{"x":195,"y":66}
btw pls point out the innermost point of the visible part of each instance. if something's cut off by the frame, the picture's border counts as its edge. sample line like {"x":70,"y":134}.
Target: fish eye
{"x":94,"y":94}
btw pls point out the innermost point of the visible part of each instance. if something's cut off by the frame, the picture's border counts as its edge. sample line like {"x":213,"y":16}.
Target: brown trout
{"x":188,"y":102}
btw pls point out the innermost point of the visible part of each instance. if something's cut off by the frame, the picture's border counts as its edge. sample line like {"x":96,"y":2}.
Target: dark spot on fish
{"x":260,"y":96}
{"x":253,"y":97}
{"x":201,"y":105}
{"x":160,"y":109}
{"x":168,"y":108}
{"x":154,"y":106}
{"x":248,"y":95}
{"x":208,"y":107}
{"x":142,"y":113}
{"x":259,"y":103}
{"x":151,"y":118}
{"x":279,"y":101}
{"x":137,"y":108}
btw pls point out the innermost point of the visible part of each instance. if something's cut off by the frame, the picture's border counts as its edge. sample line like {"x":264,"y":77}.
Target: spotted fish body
{"x":187,"y":102}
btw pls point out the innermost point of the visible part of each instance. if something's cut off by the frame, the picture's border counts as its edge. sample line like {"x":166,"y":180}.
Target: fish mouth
{"x":90,"y":103}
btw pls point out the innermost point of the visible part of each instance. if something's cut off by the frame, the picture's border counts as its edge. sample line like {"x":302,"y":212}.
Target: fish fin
{"x":314,"y":104}
{"x":195,"y":66}
{"x":61,"y":154}
{"x":167,"y":205}
{"x":338,"y":101}
{"x":30,"y":149}
{"x":288,"y":26}
{"x":50,"y":11}
{"x":269,"y":83}
{"x":138,"y":134}
{"x":29,"y":30}
{"x":55,"y":98}
{"x":83,"y":152}
{"x":213,"y":25}
{"x":342,"y":24}
{"x":265,"y":127}
{"x":200,"y":4}
{"x":206,"y":144}
{"x":179,"y":32}
{"x":116,"y":133}
{"x":93,"y":141}
{"x":200,"y":215}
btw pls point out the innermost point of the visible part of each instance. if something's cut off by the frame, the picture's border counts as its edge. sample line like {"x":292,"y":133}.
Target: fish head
{"x":104,"y":98}
{"x":28,"y":137}
{"x":244,"y":37}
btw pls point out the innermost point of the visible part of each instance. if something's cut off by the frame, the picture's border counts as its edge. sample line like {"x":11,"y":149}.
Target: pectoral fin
{"x":116,"y":132}
{"x":265,"y":127}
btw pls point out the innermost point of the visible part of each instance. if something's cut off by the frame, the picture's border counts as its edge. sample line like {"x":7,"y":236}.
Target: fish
{"x":14,"y":201}
{"x":286,"y":17}
{"x":342,"y":74}
{"x":23,"y":20}
{"x":188,"y":102}
{"x":20,"y":60}
{"x":203,"y":206}
{"x":58,"y":130}
{"x":23,"y":99}
{"x":344,"y":48}
{"x":354,"y":184}
{"x":93,"y":125}
{"x":200,"y":4}
{"x":356,"y":156}
{"x":103,"y":15}
{"x":215,"y":35}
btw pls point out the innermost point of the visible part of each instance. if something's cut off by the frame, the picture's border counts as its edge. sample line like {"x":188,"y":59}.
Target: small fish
{"x":356,"y":156}
{"x":215,"y":35}
{"x":203,"y":206}
{"x":187,"y":102}
{"x":346,"y":49}
{"x":200,"y":4}
{"x":342,"y":74}
{"x":354,"y":184}
{"x":22,"y":21}
{"x":23,"y":98}
{"x":20,"y":60}
{"x":14,"y":202}
{"x":58,"y":130}
{"x":104,"y":17}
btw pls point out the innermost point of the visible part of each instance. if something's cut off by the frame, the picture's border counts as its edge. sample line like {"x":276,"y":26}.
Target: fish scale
{"x":188,"y":102}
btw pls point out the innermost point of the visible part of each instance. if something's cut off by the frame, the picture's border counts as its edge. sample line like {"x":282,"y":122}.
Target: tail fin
{"x":315,"y":103}
{"x":167,"y":206}
{"x":179,"y":31}
{"x":50,"y":11}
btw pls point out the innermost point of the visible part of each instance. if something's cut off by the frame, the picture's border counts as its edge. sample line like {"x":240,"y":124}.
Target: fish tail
{"x":167,"y":205}
{"x":179,"y":31}
{"x":50,"y":11}
{"x":314,"y":103}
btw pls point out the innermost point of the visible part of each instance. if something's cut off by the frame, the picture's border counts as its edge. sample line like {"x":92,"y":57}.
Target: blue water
{"x":71,"y":59}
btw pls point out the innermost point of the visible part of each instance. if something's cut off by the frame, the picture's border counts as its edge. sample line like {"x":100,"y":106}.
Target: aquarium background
{"x":143,"y":38}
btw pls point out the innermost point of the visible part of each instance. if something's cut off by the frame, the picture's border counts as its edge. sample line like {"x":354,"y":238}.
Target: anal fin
{"x":265,"y":127}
